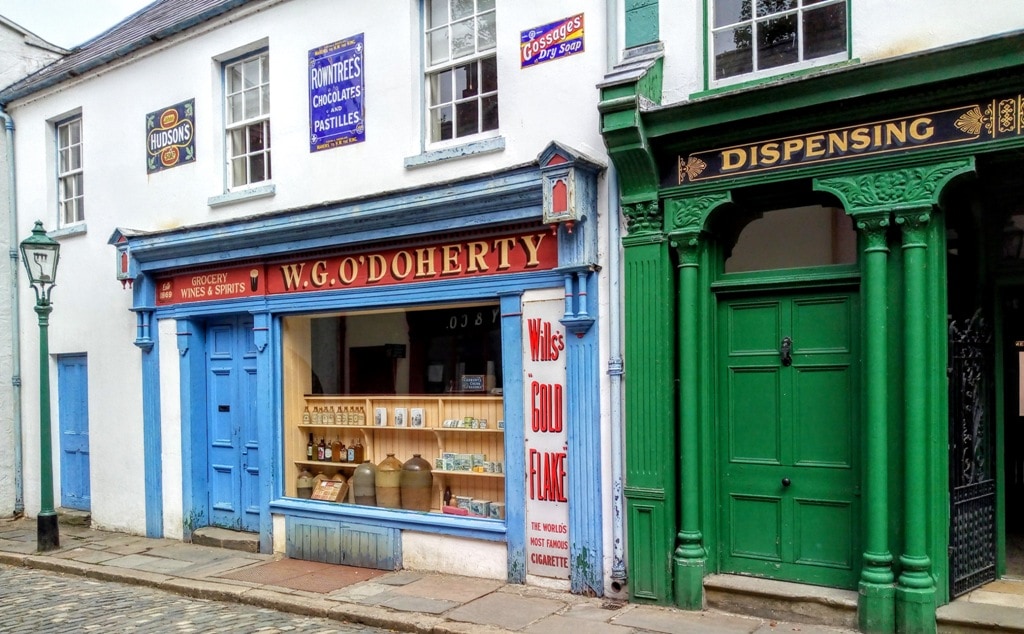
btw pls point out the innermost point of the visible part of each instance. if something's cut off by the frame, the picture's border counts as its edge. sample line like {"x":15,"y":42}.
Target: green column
{"x":915,"y":594}
{"x":877,"y":608}
{"x":689,"y":558}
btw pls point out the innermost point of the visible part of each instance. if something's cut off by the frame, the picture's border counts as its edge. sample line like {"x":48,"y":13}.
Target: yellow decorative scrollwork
{"x":692,"y":168}
{"x":971,"y":121}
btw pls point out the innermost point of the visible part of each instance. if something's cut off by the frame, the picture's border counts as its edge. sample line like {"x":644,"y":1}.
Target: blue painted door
{"x":73,"y":413}
{"x":231,"y":414}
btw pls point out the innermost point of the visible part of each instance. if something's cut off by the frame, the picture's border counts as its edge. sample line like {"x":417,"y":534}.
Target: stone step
{"x":225,"y":538}
{"x":782,"y":600}
{"x":73,"y":517}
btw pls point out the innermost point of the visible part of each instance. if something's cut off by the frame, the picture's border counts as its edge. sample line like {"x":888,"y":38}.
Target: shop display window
{"x":413,"y":395}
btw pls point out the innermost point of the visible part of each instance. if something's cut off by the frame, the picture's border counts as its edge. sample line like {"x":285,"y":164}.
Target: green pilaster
{"x":689,"y":559}
{"x":916,"y":591}
{"x":650,"y":491}
{"x":641,"y":22}
{"x":877,"y":593}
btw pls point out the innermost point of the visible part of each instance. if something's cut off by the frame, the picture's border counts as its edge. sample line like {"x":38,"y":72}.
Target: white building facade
{"x":297,"y":228}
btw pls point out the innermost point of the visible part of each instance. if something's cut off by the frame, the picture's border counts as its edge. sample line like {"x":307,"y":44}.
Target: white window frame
{"x":239,"y":128}
{"x":438,"y":37}
{"x":70,"y":172}
{"x":761,"y":73}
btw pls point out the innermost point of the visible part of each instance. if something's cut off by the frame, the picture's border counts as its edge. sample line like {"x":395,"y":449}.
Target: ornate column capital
{"x":643,"y":217}
{"x":914,"y":224}
{"x":688,"y":245}
{"x":875,"y":229}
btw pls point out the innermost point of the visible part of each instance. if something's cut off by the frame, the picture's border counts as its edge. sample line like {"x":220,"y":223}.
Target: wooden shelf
{"x":325,"y":463}
{"x":468,"y":473}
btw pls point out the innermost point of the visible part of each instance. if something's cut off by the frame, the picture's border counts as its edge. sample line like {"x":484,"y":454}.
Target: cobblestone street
{"x":41,"y":601}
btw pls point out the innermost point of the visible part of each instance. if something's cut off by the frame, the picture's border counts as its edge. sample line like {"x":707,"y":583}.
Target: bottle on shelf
{"x":360,"y":452}
{"x":316,"y":415}
{"x":321,"y":450}
{"x":351,"y":451}
{"x":346,"y":416}
{"x":309,"y":447}
{"x":338,"y":450}
{"x":306,"y":419}
{"x":328,"y":452}
{"x":330,"y":416}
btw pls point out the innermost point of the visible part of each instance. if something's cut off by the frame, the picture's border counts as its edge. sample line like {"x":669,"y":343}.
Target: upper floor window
{"x":70,"y":192}
{"x":462,"y":70}
{"x":247,"y":108}
{"x":752,"y":38}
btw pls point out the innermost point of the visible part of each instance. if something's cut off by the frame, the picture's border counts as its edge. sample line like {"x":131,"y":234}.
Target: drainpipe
{"x":12,"y":213}
{"x":615,"y":377}
{"x":615,"y":369}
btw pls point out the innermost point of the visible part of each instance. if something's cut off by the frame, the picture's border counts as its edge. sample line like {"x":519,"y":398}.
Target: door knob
{"x":786,"y":482}
{"x":786,"y":351}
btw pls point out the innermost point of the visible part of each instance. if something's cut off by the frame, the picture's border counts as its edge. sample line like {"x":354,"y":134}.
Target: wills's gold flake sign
{"x":985,"y":121}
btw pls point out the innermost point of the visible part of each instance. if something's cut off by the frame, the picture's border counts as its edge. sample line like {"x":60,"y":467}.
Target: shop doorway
{"x":73,"y":391}
{"x":233,"y":451}
{"x":788,"y":436}
{"x":1013,"y":431}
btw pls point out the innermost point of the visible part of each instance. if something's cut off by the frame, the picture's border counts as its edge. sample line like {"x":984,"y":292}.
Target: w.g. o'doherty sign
{"x":170,"y":136}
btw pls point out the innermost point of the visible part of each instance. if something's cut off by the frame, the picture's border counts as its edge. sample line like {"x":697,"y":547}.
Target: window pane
{"x":76,"y":157}
{"x":65,"y":160}
{"x":437,"y":13}
{"x":467,"y":117}
{"x":732,"y":53}
{"x":489,"y":74}
{"x":441,"y":123}
{"x":461,"y":9}
{"x":731,"y":11}
{"x":76,"y":132}
{"x":252,"y":103}
{"x":825,"y":31}
{"x":265,"y":100}
{"x":79,"y":209}
{"x":255,"y":137}
{"x":250,"y":73}
{"x":238,"y":172}
{"x":484,"y":5}
{"x":489,"y":115}
{"x":266,"y":137}
{"x":256,"y":168}
{"x":265,"y":68}
{"x":769,"y":7}
{"x":438,"y":45}
{"x":441,"y":88}
{"x":466,"y":82}
{"x":463,"y":38}
{"x":485,"y":28}
{"x":234,"y":108}
{"x":238,"y":142}
{"x":234,"y":78}
{"x":79,"y":185}
{"x":63,"y":136}
{"x":777,"y":43}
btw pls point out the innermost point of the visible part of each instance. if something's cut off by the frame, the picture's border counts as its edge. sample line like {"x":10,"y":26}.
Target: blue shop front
{"x":371,"y":381}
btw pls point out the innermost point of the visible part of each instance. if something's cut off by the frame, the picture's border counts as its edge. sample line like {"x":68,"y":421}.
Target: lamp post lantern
{"x":40,"y":253}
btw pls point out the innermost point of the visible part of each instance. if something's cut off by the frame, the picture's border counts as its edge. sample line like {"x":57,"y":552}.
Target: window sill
{"x":250,"y":193}
{"x":67,"y":232}
{"x":474,"y":148}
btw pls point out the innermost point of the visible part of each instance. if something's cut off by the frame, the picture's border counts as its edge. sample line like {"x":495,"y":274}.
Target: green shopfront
{"x":824,"y":304}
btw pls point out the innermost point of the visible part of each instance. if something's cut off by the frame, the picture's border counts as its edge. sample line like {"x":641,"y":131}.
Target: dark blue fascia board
{"x":510,"y":196}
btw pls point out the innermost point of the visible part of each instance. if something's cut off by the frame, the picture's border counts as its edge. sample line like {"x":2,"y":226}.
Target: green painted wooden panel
{"x":641,"y":22}
{"x":793,"y":423}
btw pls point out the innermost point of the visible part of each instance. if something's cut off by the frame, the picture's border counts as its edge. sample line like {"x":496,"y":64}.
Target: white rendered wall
{"x":554,"y":101}
{"x":454,"y":556}
{"x":880,"y":29}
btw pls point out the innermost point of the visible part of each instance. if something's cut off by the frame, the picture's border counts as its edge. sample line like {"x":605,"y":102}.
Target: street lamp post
{"x":40,"y":253}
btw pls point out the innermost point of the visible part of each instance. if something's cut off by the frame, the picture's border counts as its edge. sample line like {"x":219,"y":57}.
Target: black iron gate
{"x":972,"y":540}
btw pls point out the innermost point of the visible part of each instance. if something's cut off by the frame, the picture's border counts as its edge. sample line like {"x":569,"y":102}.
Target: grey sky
{"x":68,"y":23}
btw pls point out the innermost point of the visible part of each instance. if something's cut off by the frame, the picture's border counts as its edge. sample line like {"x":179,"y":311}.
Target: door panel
{"x":233,"y":451}
{"x":73,"y":414}
{"x":788,"y":432}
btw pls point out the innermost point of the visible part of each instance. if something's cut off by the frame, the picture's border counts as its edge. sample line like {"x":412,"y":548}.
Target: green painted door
{"x":789,"y":437}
